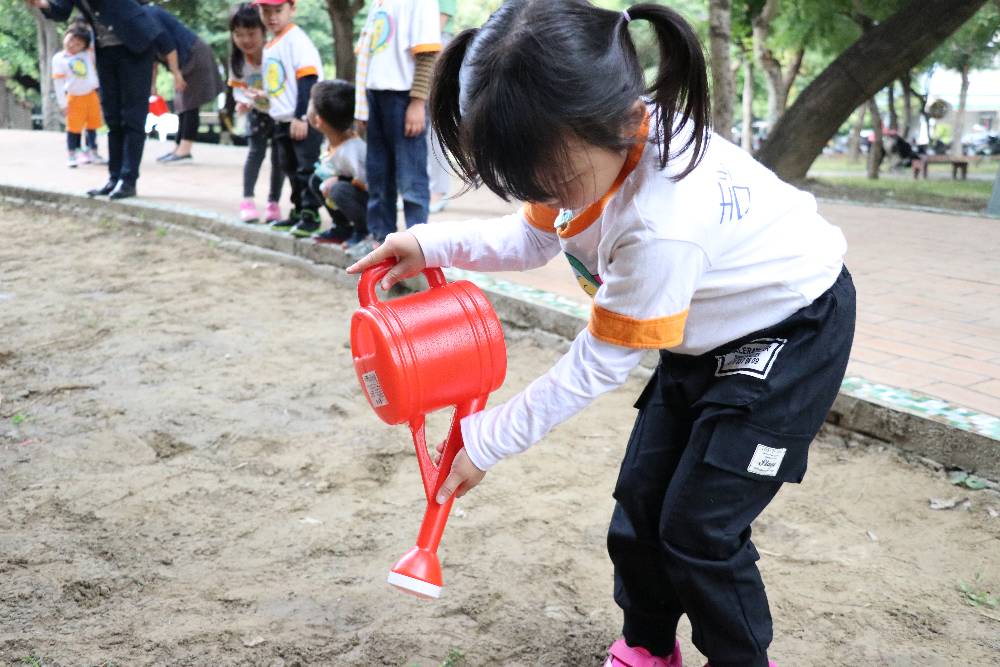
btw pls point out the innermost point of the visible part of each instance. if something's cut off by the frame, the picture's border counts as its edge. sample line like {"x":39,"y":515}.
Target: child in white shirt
{"x":687,"y":246}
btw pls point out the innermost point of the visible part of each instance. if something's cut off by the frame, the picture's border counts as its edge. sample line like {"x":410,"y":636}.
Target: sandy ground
{"x":189,"y":475}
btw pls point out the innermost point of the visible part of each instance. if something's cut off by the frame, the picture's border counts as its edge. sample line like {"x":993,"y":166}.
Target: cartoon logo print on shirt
{"x":78,"y":66}
{"x":275,"y":78}
{"x":255,"y":81}
{"x":383,"y":30}
{"x":733,"y":199}
{"x":588,"y":281}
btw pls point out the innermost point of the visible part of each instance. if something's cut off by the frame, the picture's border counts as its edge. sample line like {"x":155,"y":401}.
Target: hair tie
{"x":625,"y":15}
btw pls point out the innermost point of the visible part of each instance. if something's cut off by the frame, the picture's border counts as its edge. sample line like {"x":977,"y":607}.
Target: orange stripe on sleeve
{"x":655,"y":334}
{"x":58,"y":76}
{"x":237,"y":84}
{"x":306,"y":71}
{"x":540,"y":217}
{"x":425,"y":48}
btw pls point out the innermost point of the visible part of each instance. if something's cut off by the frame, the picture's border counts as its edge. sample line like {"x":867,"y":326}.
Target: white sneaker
{"x":71,"y":161}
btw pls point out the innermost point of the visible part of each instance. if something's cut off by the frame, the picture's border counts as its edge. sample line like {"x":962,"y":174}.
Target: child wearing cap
{"x":291,"y":66}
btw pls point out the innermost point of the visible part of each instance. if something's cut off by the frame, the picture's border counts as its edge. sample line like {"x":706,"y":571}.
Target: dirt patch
{"x":209,"y":487}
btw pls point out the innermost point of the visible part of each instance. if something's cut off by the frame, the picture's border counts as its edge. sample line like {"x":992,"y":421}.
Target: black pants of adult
{"x":125,"y":81}
{"x":715,"y":437}
{"x":298,"y":160}
{"x":347,"y":205}
{"x":187,"y":125}
{"x":261,"y":136}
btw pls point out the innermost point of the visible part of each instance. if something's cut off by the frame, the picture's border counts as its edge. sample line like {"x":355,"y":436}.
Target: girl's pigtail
{"x":445,"y":109}
{"x":680,"y":90}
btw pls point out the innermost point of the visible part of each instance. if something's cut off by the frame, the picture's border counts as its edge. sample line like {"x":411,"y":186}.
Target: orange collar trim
{"x":277,"y":38}
{"x":587,"y":216}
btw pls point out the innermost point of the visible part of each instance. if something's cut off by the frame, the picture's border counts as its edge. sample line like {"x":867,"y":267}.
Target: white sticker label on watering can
{"x":374,"y":389}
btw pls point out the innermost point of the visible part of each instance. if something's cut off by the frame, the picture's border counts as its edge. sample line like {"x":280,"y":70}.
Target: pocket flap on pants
{"x":758,"y":453}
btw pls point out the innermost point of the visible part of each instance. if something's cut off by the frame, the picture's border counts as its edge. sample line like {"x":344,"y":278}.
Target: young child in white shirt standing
{"x":76,"y":85}
{"x":291,"y":67}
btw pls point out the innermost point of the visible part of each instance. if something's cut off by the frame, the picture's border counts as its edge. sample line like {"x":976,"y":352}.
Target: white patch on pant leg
{"x":766,"y":460}
{"x":755,"y":358}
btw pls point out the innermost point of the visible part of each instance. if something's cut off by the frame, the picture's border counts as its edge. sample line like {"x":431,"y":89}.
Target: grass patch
{"x":841,"y":163}
{"x":970,"y":195}
{"x":975,"y":595}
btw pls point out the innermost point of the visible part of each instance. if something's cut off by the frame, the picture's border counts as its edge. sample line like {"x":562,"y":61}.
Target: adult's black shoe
{"x":104,"y":190}
{"x":123,"y":191}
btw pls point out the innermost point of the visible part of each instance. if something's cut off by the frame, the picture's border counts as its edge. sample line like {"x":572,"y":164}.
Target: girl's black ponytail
{"x":680,"y":90}
{"x":445,"y":108}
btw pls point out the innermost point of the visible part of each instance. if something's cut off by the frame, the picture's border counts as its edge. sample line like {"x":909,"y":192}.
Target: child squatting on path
{"x":688,"y":246}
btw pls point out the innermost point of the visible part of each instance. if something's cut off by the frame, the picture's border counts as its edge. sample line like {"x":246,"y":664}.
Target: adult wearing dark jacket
{"x":200,"y":72}
{"x":127,"y":37}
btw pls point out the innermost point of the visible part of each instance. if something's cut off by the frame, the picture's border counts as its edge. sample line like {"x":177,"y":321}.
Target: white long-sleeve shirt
{"x":687,"y":266}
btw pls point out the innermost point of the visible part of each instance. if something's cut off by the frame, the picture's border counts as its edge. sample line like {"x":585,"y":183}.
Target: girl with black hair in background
{"x":248,"y":35}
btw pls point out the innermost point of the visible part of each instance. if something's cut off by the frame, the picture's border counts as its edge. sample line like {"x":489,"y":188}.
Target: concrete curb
{"x":935,"y":440}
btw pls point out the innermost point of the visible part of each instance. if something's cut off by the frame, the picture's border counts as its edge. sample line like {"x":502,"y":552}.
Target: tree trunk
{"x":854,"y":140}
{"x":877,"y":150}
{"x":959,"y":129}
{"x":342,"y":13}
{"x":779,"y":83}
{"x":893,"y":116}
{"x":904,"y":83}
{"x":882,"y":54}
{"x":747,"y":133}
{"x":723,"y":84}
{"x":48,"y":43}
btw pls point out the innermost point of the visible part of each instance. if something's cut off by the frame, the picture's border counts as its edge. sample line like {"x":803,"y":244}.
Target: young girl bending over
{"x":687,"y":246}
{"x":247,"y":83}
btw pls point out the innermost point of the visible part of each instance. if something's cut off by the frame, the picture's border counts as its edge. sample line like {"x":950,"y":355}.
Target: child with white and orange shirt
{"x":687,"y":246}
{"x":290,"y":69}
{"x":76,"y":85}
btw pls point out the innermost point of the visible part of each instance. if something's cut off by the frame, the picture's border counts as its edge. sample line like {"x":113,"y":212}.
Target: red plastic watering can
{"x":435,"y":349}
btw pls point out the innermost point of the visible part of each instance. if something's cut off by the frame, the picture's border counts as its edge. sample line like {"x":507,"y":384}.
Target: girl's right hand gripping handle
{"x":374,"y":274}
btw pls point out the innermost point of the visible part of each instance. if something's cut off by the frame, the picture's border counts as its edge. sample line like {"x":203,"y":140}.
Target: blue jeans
{"x":396,"y":164}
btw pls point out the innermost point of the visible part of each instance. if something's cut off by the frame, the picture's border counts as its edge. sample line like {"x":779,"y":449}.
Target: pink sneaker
{"x":248,"y":211}
{"x":272,"y":212}
{"x":622,"y":655}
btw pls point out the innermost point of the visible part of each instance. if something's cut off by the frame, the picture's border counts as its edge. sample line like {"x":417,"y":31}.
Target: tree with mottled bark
{"x":49,"y":43}
{"x":342,"y":13}
{"x":779,"y":79}
{"x":723,"y":82}
{"x":882,"y":54}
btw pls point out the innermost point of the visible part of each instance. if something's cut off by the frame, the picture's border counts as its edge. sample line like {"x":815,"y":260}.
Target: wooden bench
{"x":958,"y":164}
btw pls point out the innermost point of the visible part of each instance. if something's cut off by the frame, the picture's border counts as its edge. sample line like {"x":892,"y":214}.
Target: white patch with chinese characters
{"x":766,"y":461}
{"x":374,"y":389}
{"x":754,"y":358}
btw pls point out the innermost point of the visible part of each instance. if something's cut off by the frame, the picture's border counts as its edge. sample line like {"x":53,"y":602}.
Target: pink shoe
{"x":622,"y":655}
{"x":248,"y":211}
{"x":272,"y":212}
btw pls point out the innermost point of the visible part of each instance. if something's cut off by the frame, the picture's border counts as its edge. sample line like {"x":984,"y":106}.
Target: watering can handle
{"x":374,"y":274}
{"x":433,"y":475}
